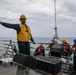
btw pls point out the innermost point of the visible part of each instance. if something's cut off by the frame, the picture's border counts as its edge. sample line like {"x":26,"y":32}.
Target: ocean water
{"x":48,"y":40}
{"x":33,"y":46}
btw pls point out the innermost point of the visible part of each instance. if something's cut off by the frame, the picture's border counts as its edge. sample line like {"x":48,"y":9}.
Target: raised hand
{"x":0,"y":22}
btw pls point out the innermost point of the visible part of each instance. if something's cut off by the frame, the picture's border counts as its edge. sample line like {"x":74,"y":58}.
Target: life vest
{"x":25,"y":33}
{"x":66,"y":47}
{"x":40,"y":49}
{"x":74,"y":48}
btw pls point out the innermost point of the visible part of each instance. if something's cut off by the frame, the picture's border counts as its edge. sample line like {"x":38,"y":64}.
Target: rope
{"x":4,"y":40}
{"x":2,"y":43}
{"x":36,"y":48}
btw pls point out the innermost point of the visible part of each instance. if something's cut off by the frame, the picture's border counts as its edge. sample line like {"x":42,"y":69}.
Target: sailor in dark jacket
{"x":74,"y":57}
{"x":23,"y":34}
{"x":23,"y":37}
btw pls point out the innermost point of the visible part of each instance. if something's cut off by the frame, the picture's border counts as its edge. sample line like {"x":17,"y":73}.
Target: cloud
{"x":41,"y":16}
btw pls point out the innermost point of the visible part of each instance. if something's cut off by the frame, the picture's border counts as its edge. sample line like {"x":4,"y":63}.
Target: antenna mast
{"x":56,"y":34}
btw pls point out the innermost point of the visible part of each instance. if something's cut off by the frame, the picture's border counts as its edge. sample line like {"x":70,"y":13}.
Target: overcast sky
{"x":40,"y":17}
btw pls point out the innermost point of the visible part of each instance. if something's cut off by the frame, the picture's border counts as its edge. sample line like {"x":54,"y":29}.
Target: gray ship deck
{"x":12,"y":71}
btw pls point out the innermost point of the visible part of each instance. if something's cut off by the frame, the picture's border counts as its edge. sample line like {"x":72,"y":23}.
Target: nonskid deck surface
{"x":12,"y":71}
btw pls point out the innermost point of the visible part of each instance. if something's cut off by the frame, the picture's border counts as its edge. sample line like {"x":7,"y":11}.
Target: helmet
{"x":64,"y":40}
{"x":22,"y":16}
{"x":74,"y":40}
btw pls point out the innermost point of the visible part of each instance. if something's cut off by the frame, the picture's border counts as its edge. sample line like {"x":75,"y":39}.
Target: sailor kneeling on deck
{"x":67,"y":51}
{"x":74,"y":57}
{"x":54,"y":42}
{"x":40,"y":50}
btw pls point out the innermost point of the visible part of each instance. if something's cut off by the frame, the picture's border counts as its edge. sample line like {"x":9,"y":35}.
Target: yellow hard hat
{"x":22,"y":16}
{"x":64,"y":40}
